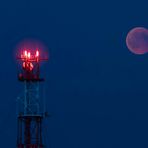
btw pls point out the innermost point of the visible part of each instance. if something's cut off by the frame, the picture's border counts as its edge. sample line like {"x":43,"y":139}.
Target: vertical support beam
{"x":27,"y":131}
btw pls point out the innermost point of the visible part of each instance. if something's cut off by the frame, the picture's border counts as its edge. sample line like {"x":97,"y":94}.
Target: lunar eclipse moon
{"x":137,"y":40}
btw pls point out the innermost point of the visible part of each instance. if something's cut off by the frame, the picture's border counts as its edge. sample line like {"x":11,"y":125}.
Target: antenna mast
{"x":30,"y":114}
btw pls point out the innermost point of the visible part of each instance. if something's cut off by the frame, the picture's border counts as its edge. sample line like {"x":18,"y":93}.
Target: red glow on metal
{"x":28,"y":66}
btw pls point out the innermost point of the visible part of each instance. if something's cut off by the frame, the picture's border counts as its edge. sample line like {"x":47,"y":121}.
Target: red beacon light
{"x":28,"y":56}
{"x":29,"y":60}
{"x":30,"y":65}
{"x":25,"y":53}
{"x":37,"y":54}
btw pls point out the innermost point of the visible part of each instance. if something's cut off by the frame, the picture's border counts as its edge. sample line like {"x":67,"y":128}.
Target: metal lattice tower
{"x":30,"y":115}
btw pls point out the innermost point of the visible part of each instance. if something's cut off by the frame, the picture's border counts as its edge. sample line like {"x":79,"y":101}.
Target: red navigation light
{"x":25,"y":53}
{"x":34,"y":56}
{"x":29,"y":55}
{"x":37,"y":53}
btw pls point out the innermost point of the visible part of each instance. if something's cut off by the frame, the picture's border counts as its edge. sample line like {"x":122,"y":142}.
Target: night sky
{"x":96,"y":89}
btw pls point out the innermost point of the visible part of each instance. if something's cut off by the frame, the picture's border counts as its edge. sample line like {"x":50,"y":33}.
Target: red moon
{"x":137,"y":40}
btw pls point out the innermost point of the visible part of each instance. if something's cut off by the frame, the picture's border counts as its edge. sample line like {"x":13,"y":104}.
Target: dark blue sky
{"x":97,"y":91}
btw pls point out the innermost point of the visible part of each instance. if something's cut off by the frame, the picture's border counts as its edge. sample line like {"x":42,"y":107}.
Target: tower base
{"x":29,"y":132}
